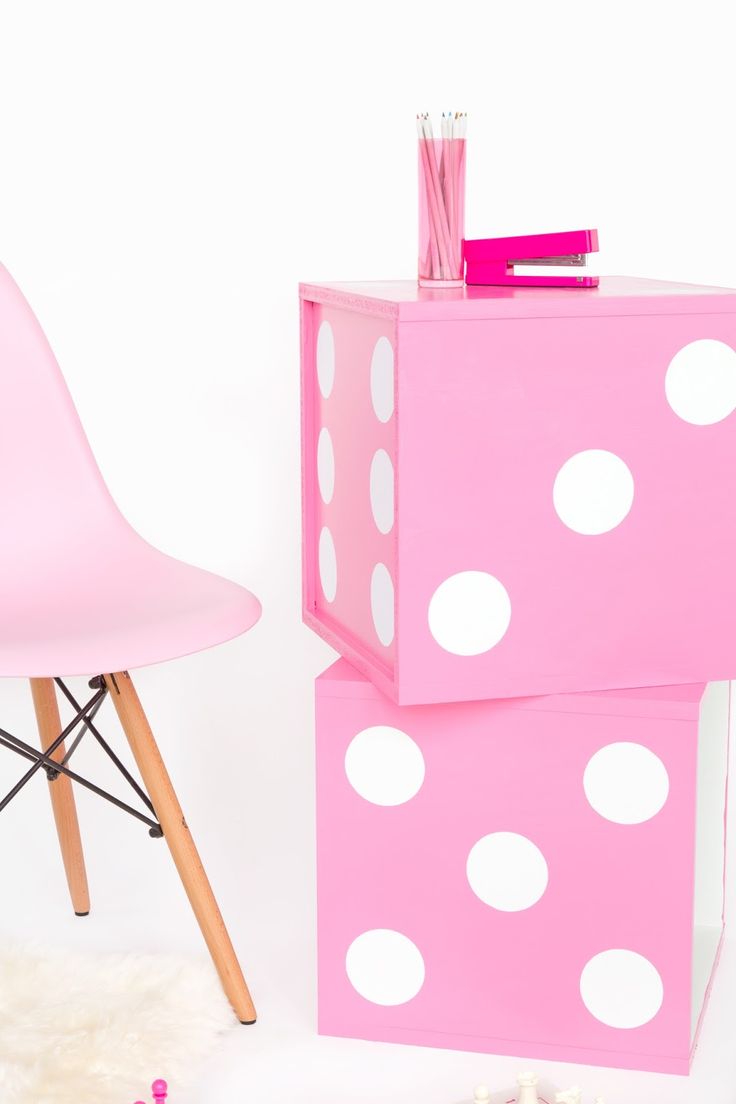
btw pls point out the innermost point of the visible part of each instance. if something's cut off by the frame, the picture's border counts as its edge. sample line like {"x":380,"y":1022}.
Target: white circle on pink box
{"x":507,"y":871}
{"x":700,"y":384}
{"x":469,"y":613}
{"x":325,"y":359}
{"x":626,"y":783}
{"x":382,"y":491}
{"x":593,"y":492}
{"x":621,"y":988}
{"x":382,"y":604}
{"x":384,"y":765}
{"x":382,"y":379}
{"x":385,"y":967}
{"x":327,"y":559}
{"x":325,"y":466}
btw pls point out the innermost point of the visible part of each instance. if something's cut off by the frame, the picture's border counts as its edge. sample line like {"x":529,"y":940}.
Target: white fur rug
{"x":77,"y":1028}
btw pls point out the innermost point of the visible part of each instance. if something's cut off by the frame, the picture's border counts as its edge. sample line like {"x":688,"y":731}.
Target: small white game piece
{"x":481,"y":1094}
{"x":527,"y":1083}
{"x":569,"y":1096}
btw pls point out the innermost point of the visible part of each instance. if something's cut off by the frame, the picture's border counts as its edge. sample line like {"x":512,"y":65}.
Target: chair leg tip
{"x":82,"y":913}
{"x":247,"y":1023}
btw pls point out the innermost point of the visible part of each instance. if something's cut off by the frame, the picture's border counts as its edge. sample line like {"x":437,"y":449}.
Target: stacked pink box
{"x":519,"y":530}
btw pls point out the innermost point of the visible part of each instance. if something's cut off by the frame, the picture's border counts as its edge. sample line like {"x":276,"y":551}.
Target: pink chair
{"x":81,"y":593}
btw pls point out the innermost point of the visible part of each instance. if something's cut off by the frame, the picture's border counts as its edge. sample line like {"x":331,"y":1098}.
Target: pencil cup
{"x":441,"y":211}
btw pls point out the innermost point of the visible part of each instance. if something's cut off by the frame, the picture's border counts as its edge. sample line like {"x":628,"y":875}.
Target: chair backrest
{"x":50,"y":486}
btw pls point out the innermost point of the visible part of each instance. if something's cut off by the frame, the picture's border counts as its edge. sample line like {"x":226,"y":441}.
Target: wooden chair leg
{"x":62,"y":795}
{"x":180,"y":842}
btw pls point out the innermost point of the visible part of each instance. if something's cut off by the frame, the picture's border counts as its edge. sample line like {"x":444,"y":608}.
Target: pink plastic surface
{"x":497,"y":981}
{"x":405,"y":301}
{"x":491,"y":260}
{"x":355,"y":434}
{"x":80,"y":591}
{"x":531,"y":245}
{"x":495,"y":389}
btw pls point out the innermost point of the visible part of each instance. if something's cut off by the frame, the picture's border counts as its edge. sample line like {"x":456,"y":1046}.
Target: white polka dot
{"x":384,"y":765}
{"x":469,"y":613}
{"x":382,"y":491}
{"x":325,"y":465}
{"x":700,"y":384}
{"x":593,"y":492}
{"x":325,"y":359}
{"x":385,"y":967}
{"x":507,"y":871}
{"x":621,"y":988}
{"x":626,"y":783}
{"x":382,"y":379}
{"x":382,"y":603}
{"x":327,"y":565}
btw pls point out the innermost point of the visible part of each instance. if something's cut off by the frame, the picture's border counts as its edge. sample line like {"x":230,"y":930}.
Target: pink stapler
{"x":492,"y":260}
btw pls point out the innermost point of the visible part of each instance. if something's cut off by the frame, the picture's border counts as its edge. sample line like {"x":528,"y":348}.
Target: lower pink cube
{"x":537,"y":876}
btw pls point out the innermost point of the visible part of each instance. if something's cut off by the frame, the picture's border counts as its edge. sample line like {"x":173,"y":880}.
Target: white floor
{"x":240,"y":751}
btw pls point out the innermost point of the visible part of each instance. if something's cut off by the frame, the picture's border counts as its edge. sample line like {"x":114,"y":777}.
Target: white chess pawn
{"x":527,"y":1083}
{"x":481,"y":1094}
{"x":569,"y":1096}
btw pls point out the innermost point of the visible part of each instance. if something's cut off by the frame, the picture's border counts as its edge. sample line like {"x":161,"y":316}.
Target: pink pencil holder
{"x":441,"y":211}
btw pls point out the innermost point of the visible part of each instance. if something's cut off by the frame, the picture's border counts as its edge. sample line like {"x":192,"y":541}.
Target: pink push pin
{"x":160,"y":1091}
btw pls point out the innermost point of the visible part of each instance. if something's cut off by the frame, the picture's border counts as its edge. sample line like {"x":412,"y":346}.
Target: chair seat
{"x":110,"y":605}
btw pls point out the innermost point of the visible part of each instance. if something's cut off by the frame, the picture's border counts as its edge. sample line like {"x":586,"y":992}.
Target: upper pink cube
{"x":518,"y":491}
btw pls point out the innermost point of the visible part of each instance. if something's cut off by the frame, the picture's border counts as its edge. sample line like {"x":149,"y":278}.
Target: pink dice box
{"x":537,"y":876}
{"x":515,"y":491}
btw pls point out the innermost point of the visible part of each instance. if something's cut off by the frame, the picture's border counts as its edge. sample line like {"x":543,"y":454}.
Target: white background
{"x":168,"y":172}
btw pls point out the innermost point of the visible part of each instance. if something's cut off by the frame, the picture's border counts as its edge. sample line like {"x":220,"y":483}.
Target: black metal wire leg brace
{"x":84,"y":718}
